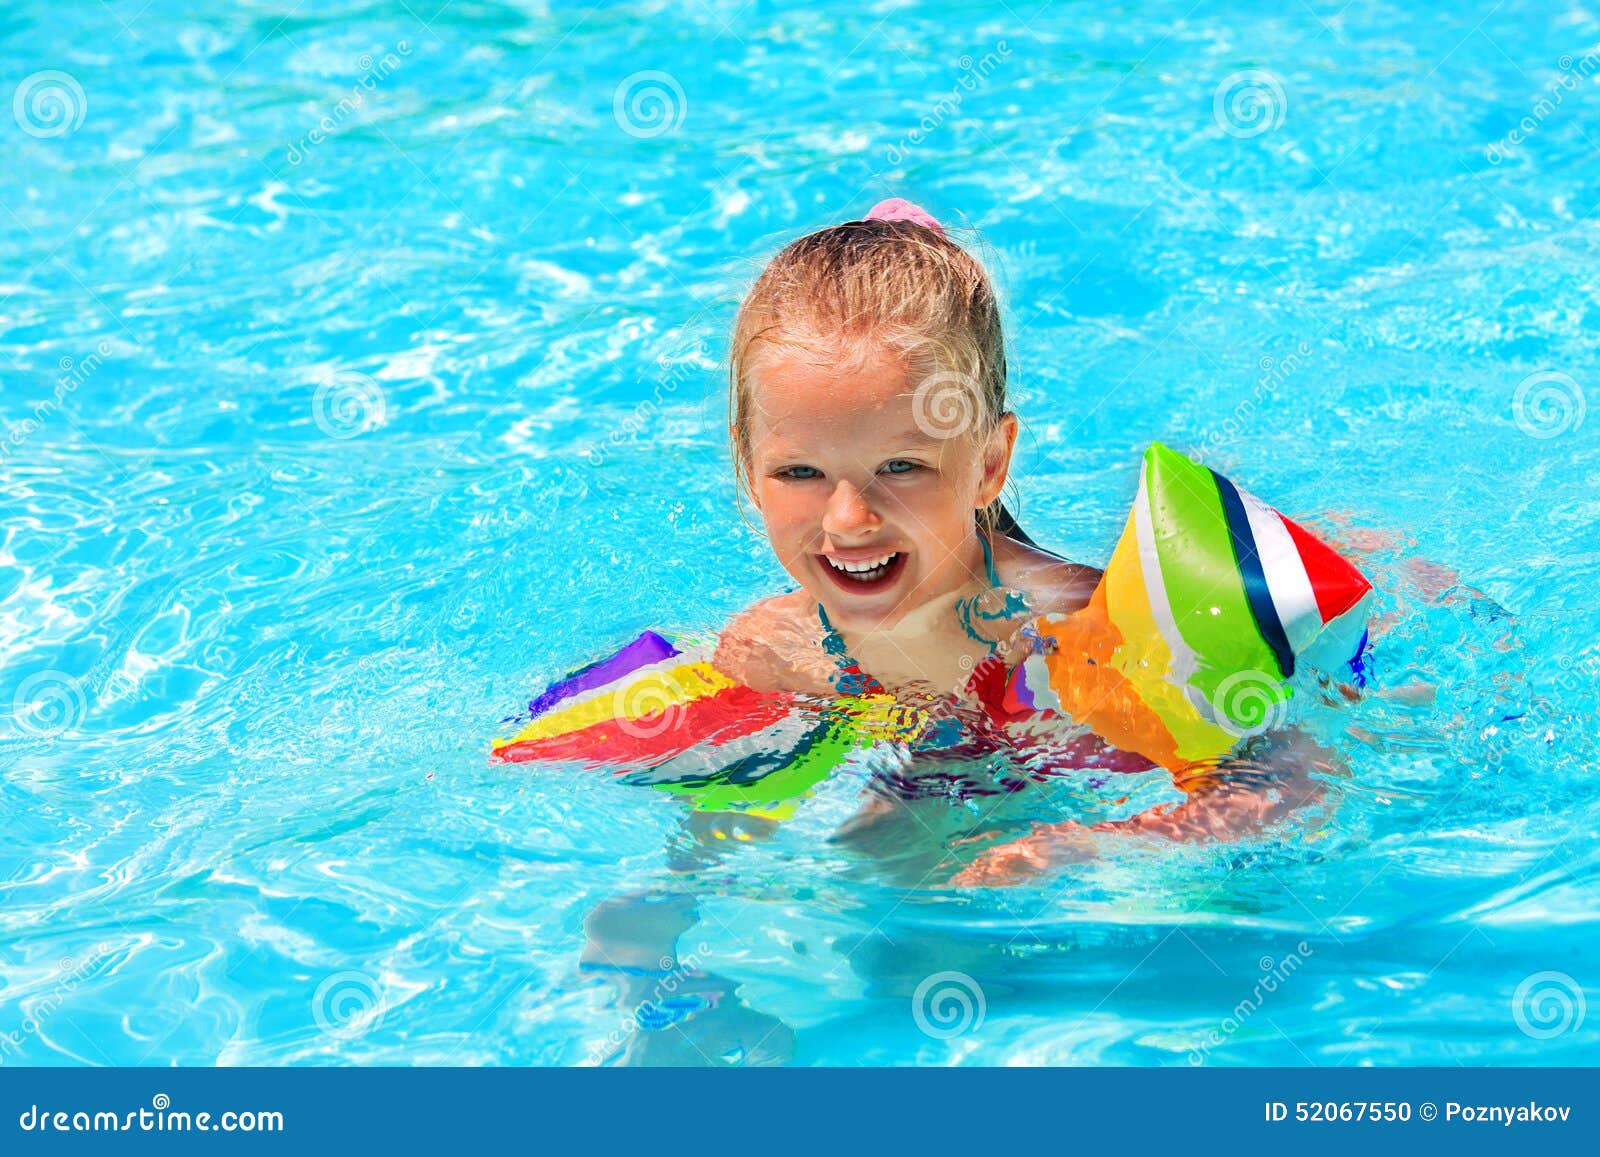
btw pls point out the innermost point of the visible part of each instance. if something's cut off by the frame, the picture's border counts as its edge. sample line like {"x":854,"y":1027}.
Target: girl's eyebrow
{"x":917,"y":436}
{"x":778,"y":446}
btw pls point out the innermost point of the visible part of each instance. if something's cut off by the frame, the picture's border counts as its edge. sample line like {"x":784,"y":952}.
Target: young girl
{"x":870,"y":430}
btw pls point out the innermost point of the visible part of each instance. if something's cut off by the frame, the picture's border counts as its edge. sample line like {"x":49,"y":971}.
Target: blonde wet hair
{"x":896,"y":284}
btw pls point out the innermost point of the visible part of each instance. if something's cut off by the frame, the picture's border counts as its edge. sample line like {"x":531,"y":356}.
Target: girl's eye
{"x":800,"y":473}
{"x":900,"y":466}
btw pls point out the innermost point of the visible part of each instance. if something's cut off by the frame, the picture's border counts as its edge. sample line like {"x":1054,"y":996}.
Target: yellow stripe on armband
{"x":646,"y":695}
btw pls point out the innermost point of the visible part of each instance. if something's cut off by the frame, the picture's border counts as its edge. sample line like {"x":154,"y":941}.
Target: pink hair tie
{"x":899,"y":209}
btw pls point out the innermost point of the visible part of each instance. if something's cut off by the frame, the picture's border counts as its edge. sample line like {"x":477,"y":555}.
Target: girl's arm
{"x":1269,"y":781}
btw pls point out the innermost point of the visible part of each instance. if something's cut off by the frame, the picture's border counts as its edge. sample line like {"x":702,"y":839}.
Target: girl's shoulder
{"x":789,"y":613}
{"x":1054,"y":585}
{"x":776,"y":645}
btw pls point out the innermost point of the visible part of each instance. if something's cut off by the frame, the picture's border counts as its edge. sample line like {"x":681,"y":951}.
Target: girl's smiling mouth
{"x":862,"y":573}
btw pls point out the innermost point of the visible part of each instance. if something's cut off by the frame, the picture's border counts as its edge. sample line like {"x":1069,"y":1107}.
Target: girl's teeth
{"x":865,"y":570}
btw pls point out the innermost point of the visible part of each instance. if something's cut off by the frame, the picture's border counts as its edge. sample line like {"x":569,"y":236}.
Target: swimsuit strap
{"x":852,"y":680}
{"x":988,"y":560}
{"x":1016,"y":603}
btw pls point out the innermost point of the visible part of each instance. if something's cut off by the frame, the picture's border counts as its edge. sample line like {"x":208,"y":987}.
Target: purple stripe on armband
{"x":648,"y":648}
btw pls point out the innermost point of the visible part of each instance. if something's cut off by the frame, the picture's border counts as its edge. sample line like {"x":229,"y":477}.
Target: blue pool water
{"x":359,"y":374}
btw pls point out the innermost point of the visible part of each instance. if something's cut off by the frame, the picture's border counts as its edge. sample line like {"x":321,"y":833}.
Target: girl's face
{"x":869,"y":503}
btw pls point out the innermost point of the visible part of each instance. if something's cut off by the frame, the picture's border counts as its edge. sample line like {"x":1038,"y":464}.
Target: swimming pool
{"x":360,"y":374}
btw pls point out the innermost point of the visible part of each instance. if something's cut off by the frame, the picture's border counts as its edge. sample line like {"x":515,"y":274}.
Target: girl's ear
{"x":997,"y":459}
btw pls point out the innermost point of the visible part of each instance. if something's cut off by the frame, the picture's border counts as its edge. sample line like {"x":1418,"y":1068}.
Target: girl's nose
{"x":849,"y":513}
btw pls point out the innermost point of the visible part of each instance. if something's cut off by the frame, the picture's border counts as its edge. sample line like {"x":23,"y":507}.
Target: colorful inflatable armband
{"x":658,"y":711}
{"x":1208,"y":604}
